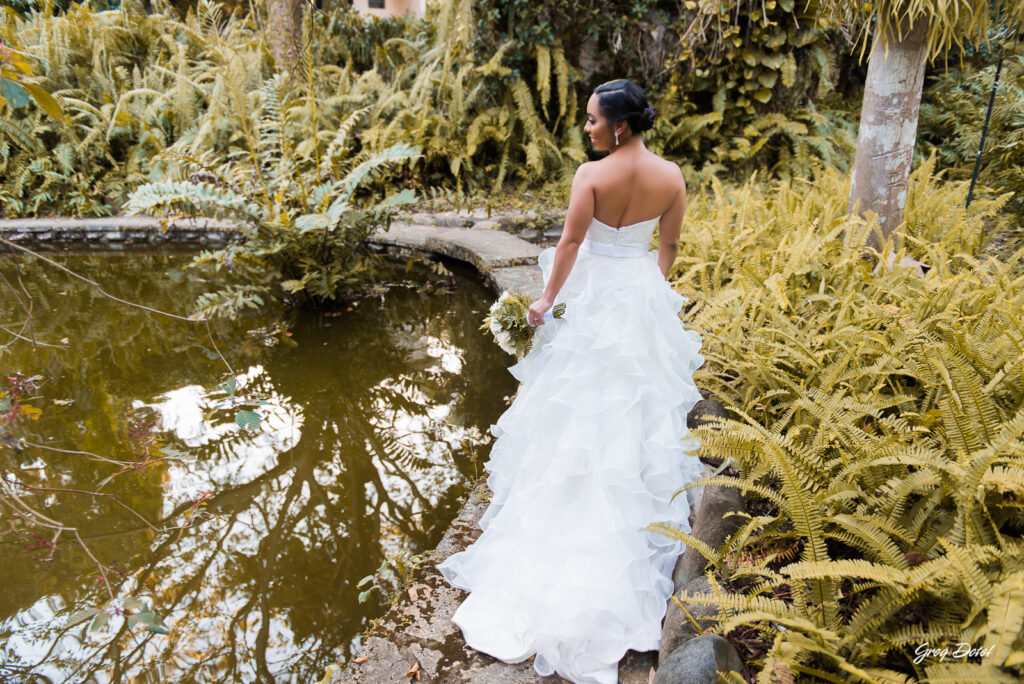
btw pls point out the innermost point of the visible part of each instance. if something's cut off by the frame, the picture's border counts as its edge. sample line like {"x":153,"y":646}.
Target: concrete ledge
{"x":117,"y":229}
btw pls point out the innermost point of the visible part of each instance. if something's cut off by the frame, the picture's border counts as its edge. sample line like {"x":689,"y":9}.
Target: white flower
{"x":505,"y":342}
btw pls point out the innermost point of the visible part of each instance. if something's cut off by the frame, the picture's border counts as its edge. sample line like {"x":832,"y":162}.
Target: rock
{"x":702,"y":411}
{"x":677,"y":628}
{"x":507,"y":222}
{"x":452,"y":220}
{"x":529,"y":234}
{"x":713,"y":526}
{"x":699,"y":661}
{"x":553,"y":232}
{"x":486,"y":224}
{"x":421,"y":219}
{"x":635,"y":667}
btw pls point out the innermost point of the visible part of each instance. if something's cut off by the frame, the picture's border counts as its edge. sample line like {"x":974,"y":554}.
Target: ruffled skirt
{"x":590,"y":452}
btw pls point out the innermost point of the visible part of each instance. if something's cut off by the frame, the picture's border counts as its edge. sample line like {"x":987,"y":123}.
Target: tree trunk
{"x":888,"y":126}
{"x":284,"y":31}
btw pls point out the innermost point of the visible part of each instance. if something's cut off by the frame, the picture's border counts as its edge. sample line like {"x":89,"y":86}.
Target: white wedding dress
{"x":589,"y":453}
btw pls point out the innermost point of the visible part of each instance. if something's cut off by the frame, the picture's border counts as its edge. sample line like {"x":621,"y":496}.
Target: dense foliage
{"x":953,"y":114}
{"x":878,"y":417}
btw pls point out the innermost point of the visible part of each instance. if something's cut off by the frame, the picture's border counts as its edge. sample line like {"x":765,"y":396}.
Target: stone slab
{"x":407,"y":235}
{"x":484,"y":249}
{"x":527,"y":279}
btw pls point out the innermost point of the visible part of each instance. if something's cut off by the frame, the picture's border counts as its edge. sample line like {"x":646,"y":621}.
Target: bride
{"x":592,"y":449}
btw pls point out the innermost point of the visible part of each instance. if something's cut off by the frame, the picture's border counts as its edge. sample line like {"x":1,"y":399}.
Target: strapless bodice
{"x":633,"y":235}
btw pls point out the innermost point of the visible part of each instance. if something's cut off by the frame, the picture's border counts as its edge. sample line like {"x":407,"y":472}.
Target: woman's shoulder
{"x":655,"y":167}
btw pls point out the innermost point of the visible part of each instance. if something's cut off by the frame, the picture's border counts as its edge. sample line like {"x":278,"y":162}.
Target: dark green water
{"x":371,"y":426}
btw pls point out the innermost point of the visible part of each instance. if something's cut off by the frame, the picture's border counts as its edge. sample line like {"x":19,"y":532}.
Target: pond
{"x":233,"y":489}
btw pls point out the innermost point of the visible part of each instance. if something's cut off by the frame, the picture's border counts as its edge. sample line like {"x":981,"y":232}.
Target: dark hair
{"x":623,"y":100}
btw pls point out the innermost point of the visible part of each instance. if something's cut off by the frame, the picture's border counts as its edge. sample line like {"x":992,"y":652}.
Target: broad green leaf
{"x":81,"y":616}
{"x":247,"y":420}
{"x":171,"y":452}
{"x":150,"y":621}
{"x":45,"y":101}
{"x":132,"y":603}
{"x":99,"y":622}
{"x":230,"y":386}
{"x":13,"y":92}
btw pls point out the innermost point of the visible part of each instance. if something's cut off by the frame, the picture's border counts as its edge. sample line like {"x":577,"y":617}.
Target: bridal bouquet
{"x":507,"y":322}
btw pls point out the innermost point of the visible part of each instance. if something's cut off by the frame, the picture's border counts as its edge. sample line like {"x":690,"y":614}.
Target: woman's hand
{"x":535,"y":314}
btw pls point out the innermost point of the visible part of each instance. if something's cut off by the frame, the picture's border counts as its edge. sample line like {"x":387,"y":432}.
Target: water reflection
{"x":363,"y":449}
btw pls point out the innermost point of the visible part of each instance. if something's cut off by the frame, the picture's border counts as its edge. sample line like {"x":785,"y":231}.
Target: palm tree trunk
{"x":888,"y":126}
{"x":285,"y":31}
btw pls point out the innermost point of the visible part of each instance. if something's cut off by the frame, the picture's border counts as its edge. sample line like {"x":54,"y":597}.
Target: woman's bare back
{"x":632,"y":186}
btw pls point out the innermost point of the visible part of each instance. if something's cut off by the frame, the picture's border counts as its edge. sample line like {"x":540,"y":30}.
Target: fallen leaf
{"x":329,"y":675}
{"x":414,"y":672}
{"x":412,"y":594}
{"x":361,"y":659}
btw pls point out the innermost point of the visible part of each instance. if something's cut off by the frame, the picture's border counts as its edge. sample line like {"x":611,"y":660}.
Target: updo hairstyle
{"x":623,"y":100}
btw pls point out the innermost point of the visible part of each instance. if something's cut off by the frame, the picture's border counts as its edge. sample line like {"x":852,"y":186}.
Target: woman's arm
{"x":669,"y":228}
{"x":577,"y":220}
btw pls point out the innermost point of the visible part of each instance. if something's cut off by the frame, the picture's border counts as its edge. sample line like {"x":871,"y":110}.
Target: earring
{"x":616,"y":138}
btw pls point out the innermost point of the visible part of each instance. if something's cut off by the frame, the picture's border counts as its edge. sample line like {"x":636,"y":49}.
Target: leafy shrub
{"x":298,"y":205}
{"x":878,"y":418}
{"x":953,"y":112}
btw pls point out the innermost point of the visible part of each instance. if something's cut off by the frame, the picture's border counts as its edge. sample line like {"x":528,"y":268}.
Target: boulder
{"x":677,"y":628}
{"x":703,"y":411}
{"x":713,"y":526}
{"x":553,"y":232}
{"x":699,"y":661}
